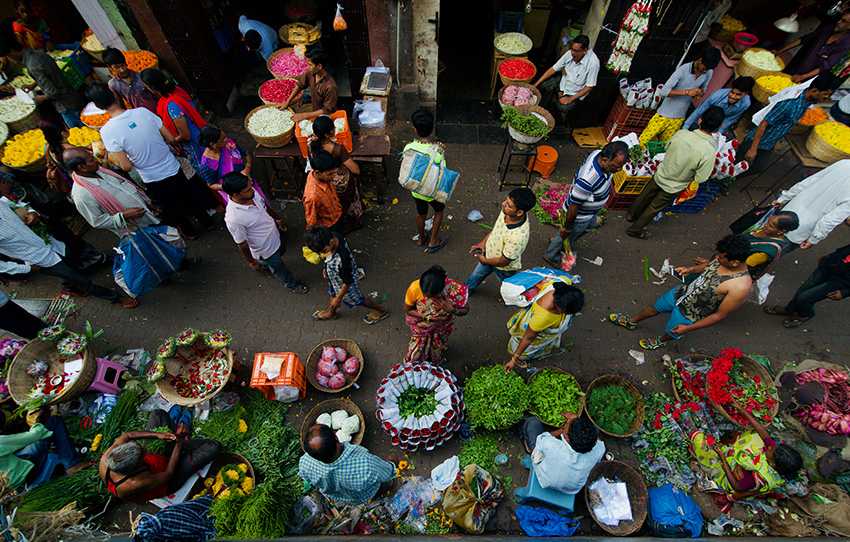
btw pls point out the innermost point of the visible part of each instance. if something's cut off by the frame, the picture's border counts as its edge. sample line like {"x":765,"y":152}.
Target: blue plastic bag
{"x":538,"y":521}
{"x":147,"y":257}
{"x":673,"y":514}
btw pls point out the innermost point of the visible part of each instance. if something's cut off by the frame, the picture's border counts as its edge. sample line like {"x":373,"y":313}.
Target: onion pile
{"x":270,"y":122}
{"x":336,"y":367}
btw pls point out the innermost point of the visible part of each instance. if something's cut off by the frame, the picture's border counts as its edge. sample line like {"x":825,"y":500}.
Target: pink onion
{"x":322,"y":379}
{"x":328,"y":368}
{"x":336,"y":381}
{"x":351,"y":366}
{"x":341,"y":354}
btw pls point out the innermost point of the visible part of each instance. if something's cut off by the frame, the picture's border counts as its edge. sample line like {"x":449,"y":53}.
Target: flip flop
{"x":652,"y":343}
{"x":642,"y":235}
{"x":316,"y":316}
{"x":791,"y":323}
{"x":435,"y":248}
{"x":775,"y":310}
{"x":372,"y":321}
{"x":622,"y":320}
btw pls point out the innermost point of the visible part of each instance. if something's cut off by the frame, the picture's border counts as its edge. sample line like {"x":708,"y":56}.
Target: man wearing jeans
{"x":254,"y":227}
{"x":588,"y":195}
{"x":501,"y":250}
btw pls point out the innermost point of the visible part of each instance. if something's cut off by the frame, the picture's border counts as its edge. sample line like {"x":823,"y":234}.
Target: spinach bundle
{"x":530,"y":124}
{"x":495,"y":399}
{"x":613,"y":408}
{"x":480,"y":450}
{"x":552,"y":394}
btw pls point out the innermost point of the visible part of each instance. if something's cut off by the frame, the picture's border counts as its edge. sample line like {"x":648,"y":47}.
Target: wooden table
{"x":281,"y":170}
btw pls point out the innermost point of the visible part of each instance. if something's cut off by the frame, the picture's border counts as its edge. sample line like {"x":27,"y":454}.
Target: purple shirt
{"x":816,"y":53}
{"x":134,"y":94}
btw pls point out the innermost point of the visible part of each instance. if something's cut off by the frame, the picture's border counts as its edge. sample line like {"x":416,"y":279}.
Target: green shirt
{"x":432,"y":149}
{"x":15,"y":468}
{"x":689,"y":157}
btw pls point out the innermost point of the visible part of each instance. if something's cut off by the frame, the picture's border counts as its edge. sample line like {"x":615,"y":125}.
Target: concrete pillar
{"x":104,"y":18}
{"x":425,"y":48}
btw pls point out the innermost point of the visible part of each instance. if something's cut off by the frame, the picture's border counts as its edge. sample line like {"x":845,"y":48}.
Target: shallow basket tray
{"x":745,"y":69}
{"x":752,"y":368}
{"x":636,"y":487}
{"x":507,"y":80}
{"x":294,"y":91}
{"x":222,"y":459}
{"x":167,"y":391}
{"x":21,"y":384}
{"x":617,"y":380}
{"x":271,"y":141}
{"x":285,"y":50}
{"x":822,"y":150}
{"x":701,"y":357}
{"x":316,"y":354}
{"x":331,"y":405}
{"x":761,"y":94}
{"x":582,"y":400}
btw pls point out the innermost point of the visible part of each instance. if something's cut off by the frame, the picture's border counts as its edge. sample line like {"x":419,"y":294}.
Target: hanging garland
{"x":632,"y":30}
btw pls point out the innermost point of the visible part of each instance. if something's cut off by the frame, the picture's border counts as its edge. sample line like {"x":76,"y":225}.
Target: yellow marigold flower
{"x":243,"y":467}
{"x":232,"y":474}
{"x":836,"y":134}
{"x":774,"y":83}
{"x":243,"y":426}
{"x":247,"y":484}
{"x":208,"y":482}
{"x":224,"y":494}
{"x":95,"y":443}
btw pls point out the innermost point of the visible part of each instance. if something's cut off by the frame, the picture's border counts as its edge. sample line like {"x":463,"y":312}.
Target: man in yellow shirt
{"x":501,"y":250}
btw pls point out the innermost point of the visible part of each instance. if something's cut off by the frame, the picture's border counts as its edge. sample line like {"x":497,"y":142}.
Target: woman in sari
{"x":431,"y":303}
{"x":31,"y":32}
{"x":222,"y":156}
{"x":753,"y":465}
{"x":536,"y":330}
{"x":344,"y":179}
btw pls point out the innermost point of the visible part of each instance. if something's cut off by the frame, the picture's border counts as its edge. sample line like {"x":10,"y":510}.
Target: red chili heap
{"x":517,"y":68}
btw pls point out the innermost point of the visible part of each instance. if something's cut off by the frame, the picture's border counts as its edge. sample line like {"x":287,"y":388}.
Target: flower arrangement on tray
{"x":195,"y":363}
{"x":9,"y":348}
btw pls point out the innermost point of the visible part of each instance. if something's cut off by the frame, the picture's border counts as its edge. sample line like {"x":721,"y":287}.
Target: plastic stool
{"x":534,"y":491}
{"x":107,"y":379}
{"x":545,"y":161}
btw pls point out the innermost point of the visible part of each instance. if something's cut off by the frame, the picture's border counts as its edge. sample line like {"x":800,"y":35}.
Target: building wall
{"x":425,"y":49}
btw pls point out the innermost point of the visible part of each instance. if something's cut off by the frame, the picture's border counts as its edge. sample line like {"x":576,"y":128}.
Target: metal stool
{"x":524,"y":152}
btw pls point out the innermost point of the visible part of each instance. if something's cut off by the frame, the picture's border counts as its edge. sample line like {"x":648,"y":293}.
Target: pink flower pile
{"x":288,"y":65}
{"x":514,"y":95}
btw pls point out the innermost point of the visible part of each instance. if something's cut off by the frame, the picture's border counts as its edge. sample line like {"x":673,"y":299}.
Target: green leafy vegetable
{"x":121,"y":417}
{"x":613,"y":408}
{"x":552,"y":394}
{"x":495,"y":399}
{"x":530,"y":124}
{"x":480,"y":450}
{"x":155,"y":445}
{"x":659,"y":438}
{"x":416,"y":402}
{"x":225,"y":512}
{"x":84,"y":487}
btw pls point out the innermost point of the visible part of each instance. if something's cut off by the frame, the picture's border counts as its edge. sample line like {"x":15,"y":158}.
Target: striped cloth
{"x":590,"y":190}
{"x":188,"y":521}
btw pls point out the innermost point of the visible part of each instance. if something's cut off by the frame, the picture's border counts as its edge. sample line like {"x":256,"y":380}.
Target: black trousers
{"x":73,"y":279}
{"x":15,"y":319}
{"x":178,"y":201}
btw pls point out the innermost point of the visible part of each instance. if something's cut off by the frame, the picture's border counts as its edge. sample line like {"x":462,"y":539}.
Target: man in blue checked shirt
{"x":588,"y":195}
{"x":733,"y":101}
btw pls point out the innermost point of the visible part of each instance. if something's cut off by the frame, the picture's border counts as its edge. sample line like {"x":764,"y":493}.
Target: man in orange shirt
{"x":321,"y":203}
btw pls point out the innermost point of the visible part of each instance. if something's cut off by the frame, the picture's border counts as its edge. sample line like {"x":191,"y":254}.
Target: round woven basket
{"x":167,"y":391}
{"x":27,"y":122}
{"x":745,"y":69}
{"x":751,"y":368}
{"x":701,"y":357}
{"x":761,"y":94}
{"x":330,"y":405}
{"x":4,"y":133}
{"x":21,"y":384}
{"x":271,"y":141}
{"x":314,"y":34}
{"x":558,"y":370}
{"x":316,"y":354}
{"x":527,"y":43}
{"x":294,"y":90}
{"x":617,"y":380}
{"x":527,"y":110}
{"x":508,"y":80}
{"x":536,"y":96}
{"x":39,"y":164}
{"x":822,"y":150}
{"x":638,"y":496}
{"x":284,"y":51}
{"x":97,"y":54}
{"x":222,"y":459}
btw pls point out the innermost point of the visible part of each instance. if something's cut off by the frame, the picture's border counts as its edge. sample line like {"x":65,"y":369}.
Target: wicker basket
{"x":4,"y":133}
{"x":745,"y":69}
{"x":167,"y":391}
{"x":752,"y":368}
{"x":313,"y":34}
{"x":21,"y":384}
{"x":507,"y":80}
{"x":537,"y":97}
{"x":528,"y":44}
{"x":330,"y":405}
{"x":701,"y":357}
{"x":222,"y":459}
{"x":27,"y":122}
{"x":527,"y":110}
{"x":316,"y":354}
{"x":39,"y":164}
{"x":97,"y":54}
{"x":636,"y":487}
{"x":761,"y":94}
{"x":822,"y":150}
{"x":617,"y":380}
{"x":558,"y":370}
{"x":284,"y":51}
{"x":274,"y":141}
{"x":294,"y":91}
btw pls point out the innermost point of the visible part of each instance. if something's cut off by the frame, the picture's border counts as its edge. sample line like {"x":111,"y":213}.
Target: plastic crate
{"x":510,"y":21}
{"x":624,"y":119}
{"x":619,"y":202}
{"x":628,"y":185}
{"x":291,"y":374}
{"x":344,"y":137}
{"x":707,"y":193}
{"x":75,"y":67}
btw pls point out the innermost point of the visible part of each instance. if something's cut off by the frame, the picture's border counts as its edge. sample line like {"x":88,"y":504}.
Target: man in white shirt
{"x":562,"y":459}
{"x":255,"y":229}
{"x":580,"y":68}
{"x":136,"y":138}
{"x":105,"y":199}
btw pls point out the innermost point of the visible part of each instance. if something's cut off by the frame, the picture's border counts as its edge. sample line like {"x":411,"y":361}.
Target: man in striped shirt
{"x":588,"y":195}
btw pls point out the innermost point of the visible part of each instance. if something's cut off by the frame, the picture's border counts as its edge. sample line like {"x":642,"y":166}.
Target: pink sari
{"x":229,"y":160}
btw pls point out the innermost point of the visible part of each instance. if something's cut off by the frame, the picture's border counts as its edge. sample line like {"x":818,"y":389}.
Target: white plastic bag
{"x":369,"y":114}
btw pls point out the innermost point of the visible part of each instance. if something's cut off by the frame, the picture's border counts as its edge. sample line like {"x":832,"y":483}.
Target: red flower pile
{"x":517,"y":69}
{"x":726,"y":383}
{"x":675,"y":410}
{"x":277,"y":91}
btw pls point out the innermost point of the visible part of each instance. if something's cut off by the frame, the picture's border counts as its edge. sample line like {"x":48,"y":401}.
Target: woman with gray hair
{"x":134,"y":474}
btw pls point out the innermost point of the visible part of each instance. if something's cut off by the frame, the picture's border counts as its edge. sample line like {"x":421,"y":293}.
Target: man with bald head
{"x":343,"y":472}
{"x":104,"y":198}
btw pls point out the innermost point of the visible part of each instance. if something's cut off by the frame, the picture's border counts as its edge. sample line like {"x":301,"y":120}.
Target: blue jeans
{"x":556,"y":244}
{"x":45,"y":459}
{"x":71,"y":117}
{"x":279,"y":269}
{"x":483,"y":271}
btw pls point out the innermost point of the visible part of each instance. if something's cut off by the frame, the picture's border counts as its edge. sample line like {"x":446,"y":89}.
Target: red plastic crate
{"x":624,"y":119}
{"x":294,"y":376}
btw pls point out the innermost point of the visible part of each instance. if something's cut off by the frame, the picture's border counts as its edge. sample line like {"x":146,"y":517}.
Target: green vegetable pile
{"x":155,"y":445}
{"x":84,"y":487}
{"x":495,"y":399}
{"x":613,"y":408}
{"x":480,"y":450}
{"x":416,"y":402}
{"x":530,"y":125}
{"x":552,"y":394}
{"x":667,"y":441}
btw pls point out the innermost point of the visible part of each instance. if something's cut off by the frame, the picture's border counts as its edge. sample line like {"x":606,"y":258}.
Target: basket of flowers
{"x":193,"y":366}
{"x":270,"y":125}
{"x":25,"y":152}
{"x":234,"y":477}
{"x":734,"y":377}
{"x":287,"y":63}
{"x":517,"y":94}
{"x":516,"y":70}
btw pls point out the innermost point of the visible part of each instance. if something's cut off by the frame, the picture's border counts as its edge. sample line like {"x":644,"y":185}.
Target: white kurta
{"x":821,"y":201}
{"x":98,"y":217}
